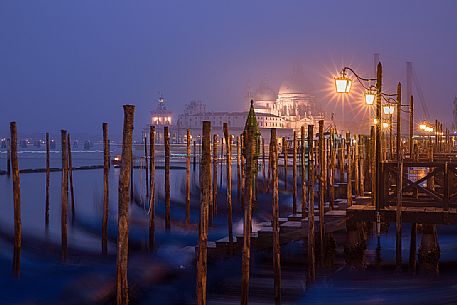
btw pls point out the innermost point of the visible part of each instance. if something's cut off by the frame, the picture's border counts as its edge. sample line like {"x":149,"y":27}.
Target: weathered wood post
{"x":399,"y":180}
{"x":188,"y":139}
{"x":349,"y":170}
{"x":286,"y":163}
{"x":17,"y":201}
{"x":362,"y":147}
{"x":311,"y":236}
{"x":238,"y":168}
{"x":332,"y":168}
{"x":48,"y":177}
{"x":152,"y":171}
{"x":70,"y":174}
{"x":221,"y":161}
{"x":294,"y":175}
{"x":122,"y":288}
{"x":105,"y":189}
{"x":166,"y":136}
{"x":215,"y":160}
{"x":303,"y":176}
{"x":228,"y":142}
{"x":205,"y":176}
{"x":275,"y":214}
{"x":356,"y":165}
{"x":341,"y":159}
{"x":321,"y":186}
{"x":64,"y":193}
{"x":146,"y":167}
{"x":250,"y":149}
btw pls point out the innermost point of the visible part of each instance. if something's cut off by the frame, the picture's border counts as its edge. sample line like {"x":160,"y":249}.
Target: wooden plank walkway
{"x":428,"y":215}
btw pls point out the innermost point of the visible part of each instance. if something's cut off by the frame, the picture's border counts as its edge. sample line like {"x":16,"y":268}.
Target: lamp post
{"x":343,"y":85}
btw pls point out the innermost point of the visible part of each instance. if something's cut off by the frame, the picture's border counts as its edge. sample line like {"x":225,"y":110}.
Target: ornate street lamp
{"x":343,"y":83}
{"x":370,"y":96}
{"x":389,"y":109}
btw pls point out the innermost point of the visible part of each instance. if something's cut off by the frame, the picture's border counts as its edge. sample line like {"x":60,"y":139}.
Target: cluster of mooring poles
{"x":341,"y":166}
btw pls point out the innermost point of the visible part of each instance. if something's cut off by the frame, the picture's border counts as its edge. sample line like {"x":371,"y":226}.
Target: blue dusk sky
{"x":72,"y":64}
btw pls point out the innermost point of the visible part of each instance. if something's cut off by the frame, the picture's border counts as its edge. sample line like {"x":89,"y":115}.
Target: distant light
{"x":375,"y":121}
{"x":385,"y":125}
{"x":422,"y":126}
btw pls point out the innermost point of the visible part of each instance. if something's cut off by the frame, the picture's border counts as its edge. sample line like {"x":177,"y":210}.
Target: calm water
{"x":166,"y":276}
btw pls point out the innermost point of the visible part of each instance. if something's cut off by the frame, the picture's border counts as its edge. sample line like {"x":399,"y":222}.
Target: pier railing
{"x":425,"y":184}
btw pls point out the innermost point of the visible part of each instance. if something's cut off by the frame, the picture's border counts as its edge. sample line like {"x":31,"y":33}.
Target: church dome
{"x":264,"y":93}
{"x":295,"y":83}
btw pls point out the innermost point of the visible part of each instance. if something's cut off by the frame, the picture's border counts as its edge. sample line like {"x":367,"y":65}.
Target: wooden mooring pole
{"x":311,"y":236}
{"x":321,"y":187}
{"x":294,"y":175}
{"x":48,"y":177}
{"x":275,"y":214}
{"x":238,"y":168}
{"x":105,"y":189}
{"x":205,"y":176}
{"x":122,"y":288}
{"x":228,"y":143}
{"x":286,"y":163}
{"x":64,"y":193}
{"x":332,"y":168}
{"x":17,"y":201}
{"x":167,"y":178}
{"x":215,"y":161}
{"x":303,"y":173}
{"x":146,"y":167}
{"x":250,"y":149}
{"x":188,"y":139}
{"x":349,"y":169}
{"x":152,"y":171}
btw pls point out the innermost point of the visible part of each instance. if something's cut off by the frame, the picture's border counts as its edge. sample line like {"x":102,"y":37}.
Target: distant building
{"x":291,"y":107}
{"x":159,"y":117}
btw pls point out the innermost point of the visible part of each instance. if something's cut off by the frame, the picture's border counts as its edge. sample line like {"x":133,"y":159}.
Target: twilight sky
{"x":72,"y":64}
